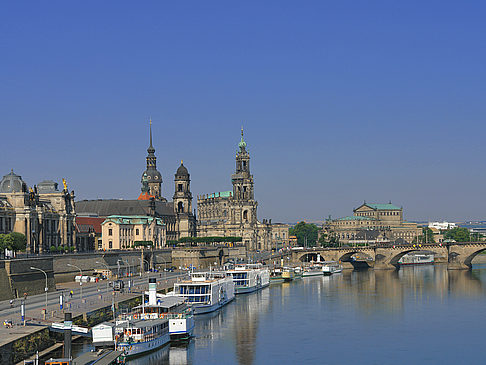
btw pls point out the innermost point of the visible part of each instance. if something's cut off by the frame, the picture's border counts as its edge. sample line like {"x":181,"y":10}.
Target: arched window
{"x":245,"y":215}
{"x":180,"y":207}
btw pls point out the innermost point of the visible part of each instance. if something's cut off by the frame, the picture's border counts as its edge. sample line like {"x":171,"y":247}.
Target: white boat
{"x":249,"y":278}
{"x":174,"y":308}
{"x":314,"y":270}
{"x":331,"y":267}
{"x":417,"y":259}
{"x":206,"y":291}
{"x":137,"y":337}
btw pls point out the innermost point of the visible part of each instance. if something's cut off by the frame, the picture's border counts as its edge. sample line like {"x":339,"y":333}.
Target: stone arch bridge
{"x":456,"y":255}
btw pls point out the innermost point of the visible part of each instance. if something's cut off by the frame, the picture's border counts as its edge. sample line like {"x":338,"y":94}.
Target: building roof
{"x":132,"y":219}
{"x":221,"y":194}
{"x":388,"y":206}
{"x":94,"y":222}
{"x":12,"y":183}
{"x":105,"y":208}
{"x":354,"y":218}
{"x":182,"y":171}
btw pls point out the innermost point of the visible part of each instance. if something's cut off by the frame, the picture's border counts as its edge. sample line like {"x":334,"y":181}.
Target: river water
{"x":417,"y":315}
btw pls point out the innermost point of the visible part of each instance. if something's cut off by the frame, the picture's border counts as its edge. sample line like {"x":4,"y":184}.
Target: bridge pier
{"x":457,"y":266}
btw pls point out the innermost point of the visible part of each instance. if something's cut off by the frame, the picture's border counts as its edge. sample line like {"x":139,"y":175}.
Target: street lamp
{"x":108,"y":268}
{"x":46,"y":288}
{"x":80,"y":279}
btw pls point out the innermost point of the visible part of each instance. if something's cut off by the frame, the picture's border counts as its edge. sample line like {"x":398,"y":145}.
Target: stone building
{"x":234,"y":213}
{"x":372,"y":223}
{"x":44,"y":214}
{"x":123,"y":232}
{"x":177,"y":215}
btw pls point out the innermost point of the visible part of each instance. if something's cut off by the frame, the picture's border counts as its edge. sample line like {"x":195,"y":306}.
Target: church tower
{"x":152,"y":176}
{"x":243,"y":195}
{"x":242,"y":179}
{"x":182,"y":201}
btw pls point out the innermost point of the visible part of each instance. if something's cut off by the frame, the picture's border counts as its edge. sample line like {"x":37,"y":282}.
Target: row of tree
{"x":13,"y":241}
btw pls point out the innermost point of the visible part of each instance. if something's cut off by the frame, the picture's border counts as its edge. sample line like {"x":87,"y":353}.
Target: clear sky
{"x":341,"y":101}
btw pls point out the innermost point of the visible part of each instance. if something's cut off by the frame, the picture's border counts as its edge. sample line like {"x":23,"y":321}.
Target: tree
{"x":458,"y":234}
{"x":306,"y":233}
{"x":426,"y":236}
{"x":19,"y":241}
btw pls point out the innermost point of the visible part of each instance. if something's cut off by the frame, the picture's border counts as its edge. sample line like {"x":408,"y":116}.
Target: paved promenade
{"x":95,"y":296}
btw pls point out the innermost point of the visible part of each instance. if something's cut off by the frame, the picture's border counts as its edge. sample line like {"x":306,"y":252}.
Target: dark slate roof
{"x":182,"y":171}
{"x":105,"y":208}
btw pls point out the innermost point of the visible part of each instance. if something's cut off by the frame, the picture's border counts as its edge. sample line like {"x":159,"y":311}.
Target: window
{"x":137,"y":231}
{"x":110,"y":232}
{"x":245,"y":215}
{"x":110,"y":244}
{"x":179,"y":187}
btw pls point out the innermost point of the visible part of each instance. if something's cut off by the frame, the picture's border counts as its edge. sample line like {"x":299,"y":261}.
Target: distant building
{"x":234,"y":213}
{"x":124,"y":232}
{"x":372,"y":223}
{"x":177,"y":215}
{"x":43,"y":213}
{"x":442,"y":225}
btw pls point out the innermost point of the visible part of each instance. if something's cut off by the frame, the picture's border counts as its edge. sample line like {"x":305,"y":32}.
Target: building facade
{"x":43,"y":213}
{"x":234,"y":213}
{"x":372,"y":223}
{"x":124,"y":232}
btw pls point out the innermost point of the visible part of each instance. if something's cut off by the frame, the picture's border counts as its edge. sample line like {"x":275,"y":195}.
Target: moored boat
{"x":288,"y":274}
{"x":206,"y":291}
{"x":331,"y":267}
{"x":313,"y":270}
{"x":249,"y":278}
{"x":417,"y":259}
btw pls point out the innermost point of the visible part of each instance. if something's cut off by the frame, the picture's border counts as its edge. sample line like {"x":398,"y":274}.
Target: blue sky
{"x":341,"y":101}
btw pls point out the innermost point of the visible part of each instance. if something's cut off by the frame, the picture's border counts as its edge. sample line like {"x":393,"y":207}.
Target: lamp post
{"x":108,"y":268}
{"x":46,"y":287}
{"x":80,"y":279}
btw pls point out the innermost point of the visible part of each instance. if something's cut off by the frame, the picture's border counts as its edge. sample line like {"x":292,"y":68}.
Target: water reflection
{"x":290,"y":322}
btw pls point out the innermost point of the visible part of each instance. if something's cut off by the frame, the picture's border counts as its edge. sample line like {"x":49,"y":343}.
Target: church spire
{"x":151,"y":149}
{"x":242,"y":144}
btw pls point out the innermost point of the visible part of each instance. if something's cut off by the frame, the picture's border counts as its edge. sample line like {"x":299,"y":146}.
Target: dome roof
{"x":152,"y":175}
{"x":12,"y":183}
{"x":182,"y":171}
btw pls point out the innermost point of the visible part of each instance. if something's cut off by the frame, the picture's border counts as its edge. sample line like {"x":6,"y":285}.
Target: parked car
{"x":118,"y":285}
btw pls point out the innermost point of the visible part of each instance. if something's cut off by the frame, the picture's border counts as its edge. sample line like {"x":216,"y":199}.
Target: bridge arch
{"x":468,"y":260}
{"x":394,"y":260}
{"x":360,"y":262}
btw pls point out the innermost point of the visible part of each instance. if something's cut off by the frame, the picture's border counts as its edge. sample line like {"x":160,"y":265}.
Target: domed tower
{"x":183,"y":202}
{"x":152,"y":176}
{"x":242,"y":179}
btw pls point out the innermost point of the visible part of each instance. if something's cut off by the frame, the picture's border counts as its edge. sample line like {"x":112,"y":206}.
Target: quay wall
{"x":16,"y":277}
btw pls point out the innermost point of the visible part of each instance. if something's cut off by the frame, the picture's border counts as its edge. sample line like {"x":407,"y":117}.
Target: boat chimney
{"x":68,"y":323}
{"x":152,"y":291}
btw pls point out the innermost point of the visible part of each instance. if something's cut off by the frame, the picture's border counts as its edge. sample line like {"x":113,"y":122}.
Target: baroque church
{"x":177,"y":215}
{"x":234,"y":213}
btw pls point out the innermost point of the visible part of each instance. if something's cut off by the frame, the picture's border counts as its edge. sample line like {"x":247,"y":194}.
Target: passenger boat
{"x":276,"y":276}
{"x":249,"y":278}
{"x":137,"y":337}
{"x":416,"y":259}
{"x":288,"y":274}
{"x":298,"y":272}
{"x":331,"y":267}
{"x":206,"y":291}
{"x":313,"y":270}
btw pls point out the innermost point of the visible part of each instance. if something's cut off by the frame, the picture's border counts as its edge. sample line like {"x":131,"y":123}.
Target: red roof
{"x":91,"y":221}
{"x":145,"y":196}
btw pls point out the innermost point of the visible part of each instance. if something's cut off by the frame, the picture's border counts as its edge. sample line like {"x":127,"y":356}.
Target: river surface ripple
{"x":417,"y":315}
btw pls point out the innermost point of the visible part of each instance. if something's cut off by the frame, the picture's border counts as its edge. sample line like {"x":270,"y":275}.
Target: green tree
{"x":426,"y":236}
{"x":19,"y":241}
{"x":306,"y":233}
{"x":458,"y":234}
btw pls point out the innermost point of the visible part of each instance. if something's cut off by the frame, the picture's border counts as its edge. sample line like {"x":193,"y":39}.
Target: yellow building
{"x":124,"y":232}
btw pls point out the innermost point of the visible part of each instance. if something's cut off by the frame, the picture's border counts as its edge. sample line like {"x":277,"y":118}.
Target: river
{"x":419,"y":314}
